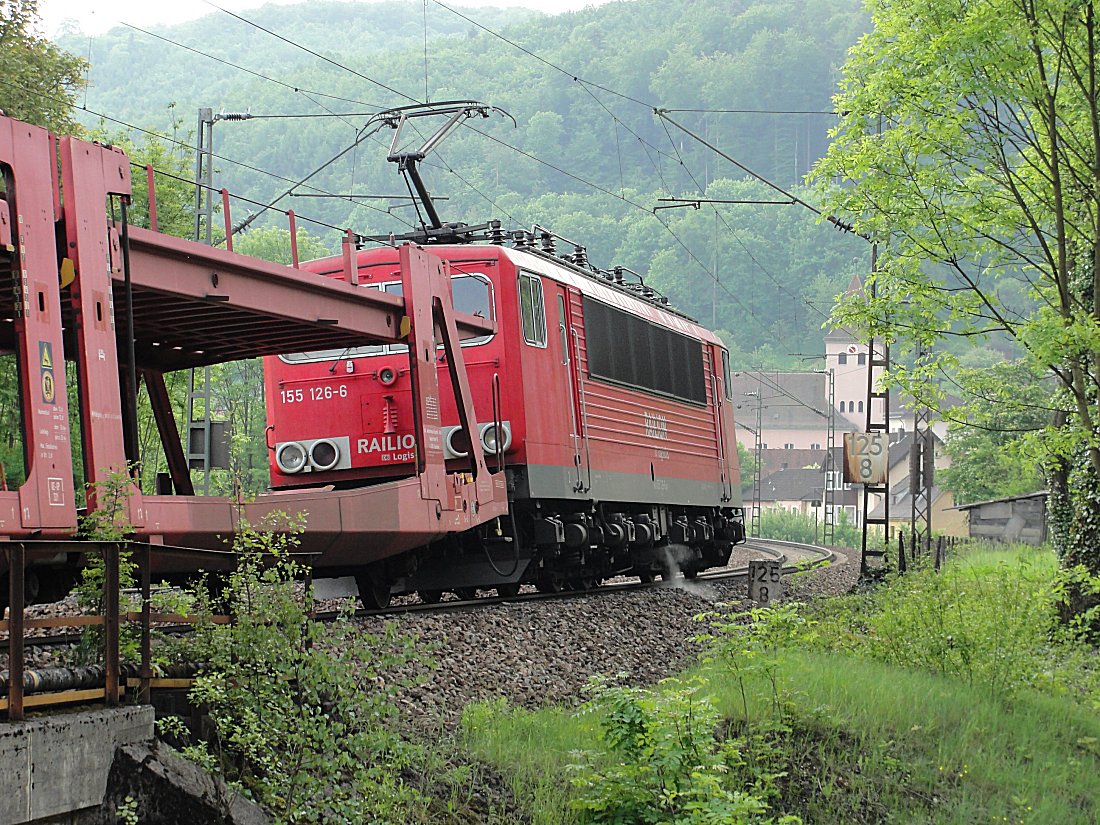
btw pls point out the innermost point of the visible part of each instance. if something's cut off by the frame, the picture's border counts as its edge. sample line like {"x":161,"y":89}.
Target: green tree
{"x":969,"y":148}
{"x":38,"y":80}
{"x":746,"y":459}
{"x":11,"y":448}
{"x":272,"y":243}
{"x":988,"y":440}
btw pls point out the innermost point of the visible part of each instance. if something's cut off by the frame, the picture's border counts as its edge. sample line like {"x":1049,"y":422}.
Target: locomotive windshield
{"x":473,"y":295}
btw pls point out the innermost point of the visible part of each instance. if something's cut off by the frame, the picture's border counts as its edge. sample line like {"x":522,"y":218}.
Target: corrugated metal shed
{"x":1021,"y":519}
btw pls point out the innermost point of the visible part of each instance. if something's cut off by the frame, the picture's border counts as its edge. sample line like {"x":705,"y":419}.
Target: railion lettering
{"x":386,"y":443}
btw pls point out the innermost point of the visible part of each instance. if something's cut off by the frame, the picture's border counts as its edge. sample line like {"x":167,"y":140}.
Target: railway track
{"x":792,"y":555}
{"x":789,"y":554}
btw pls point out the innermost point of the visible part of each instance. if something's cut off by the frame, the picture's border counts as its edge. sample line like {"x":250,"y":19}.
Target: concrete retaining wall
{"x":59,"y":764}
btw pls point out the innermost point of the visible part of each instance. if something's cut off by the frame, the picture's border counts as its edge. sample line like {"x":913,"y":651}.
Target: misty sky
{"x":97,"y":17}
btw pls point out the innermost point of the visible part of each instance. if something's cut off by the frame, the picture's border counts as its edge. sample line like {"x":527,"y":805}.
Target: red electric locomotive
{"x":610,"y":411}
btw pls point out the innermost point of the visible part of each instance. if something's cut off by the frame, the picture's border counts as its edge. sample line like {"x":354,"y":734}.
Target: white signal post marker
{"x":865,"y":458}
{"x":765,"y":581}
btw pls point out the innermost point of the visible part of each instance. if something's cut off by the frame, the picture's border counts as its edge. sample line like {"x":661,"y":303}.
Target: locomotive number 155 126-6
{"x":325,"y":392}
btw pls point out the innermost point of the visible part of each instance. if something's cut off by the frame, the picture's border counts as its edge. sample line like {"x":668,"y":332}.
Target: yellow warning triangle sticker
{"x":47,"y":361}
{"x":68,"y":272}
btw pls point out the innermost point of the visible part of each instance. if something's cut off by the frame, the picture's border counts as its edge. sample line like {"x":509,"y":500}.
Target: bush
{"x":987,"y":619}
{"x":663,"y":762}
{"x":107,"y":524}
{"x":300,"y":709}
{"x":783,"y":525}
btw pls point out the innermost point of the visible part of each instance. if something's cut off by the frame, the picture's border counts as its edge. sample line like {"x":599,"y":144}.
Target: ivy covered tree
{"x":38,"y":80}
{"x":969,"y":149}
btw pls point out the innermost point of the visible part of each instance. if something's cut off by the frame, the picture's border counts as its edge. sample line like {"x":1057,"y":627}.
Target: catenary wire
{"x":586,"y":84}
{"x":503,"y":143}
{"x":316,"y":54}
{"x":756,"y":111}
{"x":737,"y":237}
{"x":541,"y":59}
{"x":185,"y":145}
{"x":248,"y":71}
{"x":260,"y":204}
{"x":320,"y":94}
{"x":668,"y":229}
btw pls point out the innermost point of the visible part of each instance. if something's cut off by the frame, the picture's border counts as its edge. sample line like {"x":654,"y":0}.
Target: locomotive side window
{"x":626,"y":349}
{"x":531,"y":309}
{"x":726,"y":375}
{"x":563,"y":330}
{"x":395,"y":289}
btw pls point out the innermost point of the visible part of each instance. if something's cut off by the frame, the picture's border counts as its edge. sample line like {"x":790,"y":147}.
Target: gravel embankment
{"x":542,"y":652}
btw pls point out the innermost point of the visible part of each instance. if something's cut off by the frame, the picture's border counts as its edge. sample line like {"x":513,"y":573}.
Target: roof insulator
{"x":496,"y":234}
{"x":580,"y":256}
{"x":547,"y":243}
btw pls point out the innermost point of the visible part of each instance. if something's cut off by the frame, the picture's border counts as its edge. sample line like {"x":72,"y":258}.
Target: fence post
{"x":110,"y":620}
{"x":146,"y":630}
{"x":901,"y":551}
{"x":16,"y":571}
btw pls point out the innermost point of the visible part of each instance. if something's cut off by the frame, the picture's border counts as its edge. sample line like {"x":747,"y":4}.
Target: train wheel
{"x":373,"y":593}
{"x":467,"y":594}
{"x":583,"y":583}
{"x":647,"y":578}
{"x":690,"y":573}
{"x":508,"y":591}
{"x":430,"y":596}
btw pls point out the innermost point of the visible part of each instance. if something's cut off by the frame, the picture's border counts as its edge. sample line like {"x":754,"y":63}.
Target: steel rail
{"x":774,"y":548}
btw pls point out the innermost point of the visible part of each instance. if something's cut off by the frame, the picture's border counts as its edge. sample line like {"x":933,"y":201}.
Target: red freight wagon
{"x":610,"y":412}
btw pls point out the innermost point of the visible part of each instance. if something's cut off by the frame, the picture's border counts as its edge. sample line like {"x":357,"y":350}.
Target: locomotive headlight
{"x":458,"y":444}
{"x":492,"y":441}
{"x":291,"y":457}
{"x":324,"y":454}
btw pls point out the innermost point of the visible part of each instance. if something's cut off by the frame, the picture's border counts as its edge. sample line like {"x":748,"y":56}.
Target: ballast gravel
{"x":534,"y":653}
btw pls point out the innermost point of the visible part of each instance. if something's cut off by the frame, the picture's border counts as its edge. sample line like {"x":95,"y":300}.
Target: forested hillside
{"x":587,"y":157}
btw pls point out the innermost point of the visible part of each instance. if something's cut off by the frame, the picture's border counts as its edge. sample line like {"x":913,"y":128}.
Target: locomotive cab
{"x":345,"y":417}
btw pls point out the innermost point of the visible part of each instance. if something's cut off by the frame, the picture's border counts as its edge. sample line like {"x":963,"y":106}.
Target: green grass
{"x":984,"y":557}
{"x":964,"y":756}
{"x":893,"y":723}
{"x":531,"y":749}
{"x":869,"y":742}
